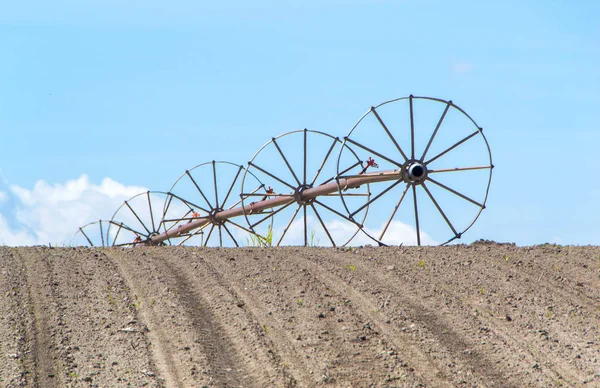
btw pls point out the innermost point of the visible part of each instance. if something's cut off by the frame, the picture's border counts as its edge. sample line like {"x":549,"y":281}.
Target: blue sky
{"x":138,"y":93}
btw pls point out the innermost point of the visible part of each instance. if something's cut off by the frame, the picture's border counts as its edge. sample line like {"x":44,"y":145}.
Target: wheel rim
{"x":415,"y":136}
{"x":143,"y":216}
{"x":209,"y":188}
{"x":93,"y":234}
{"x":291,"y":163}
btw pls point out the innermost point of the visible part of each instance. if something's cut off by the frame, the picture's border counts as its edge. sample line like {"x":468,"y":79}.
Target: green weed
{"x":256,"y":240}
{"x":314,"y":241}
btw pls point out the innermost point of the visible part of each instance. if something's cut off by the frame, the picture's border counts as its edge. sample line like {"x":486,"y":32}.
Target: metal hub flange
{"x":298,"y":195}
{"x":213,"y":219}
{"x":414,"y":172}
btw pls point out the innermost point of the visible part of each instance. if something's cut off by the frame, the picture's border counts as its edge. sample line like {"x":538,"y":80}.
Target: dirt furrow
{"x":100,"y":337}
{"x":47,"y":366}
{"x":315,"y":315}
{"x":16,"y":321}
{"x":443,"y":332}
{"x":135,"y":279}
{"x":456,"y":285}
{"x":257,"y":357}
{"x":346,"y":275}
{"x":224,"y":367}
{"x":198,"y":343}
{"x":511,"y":298}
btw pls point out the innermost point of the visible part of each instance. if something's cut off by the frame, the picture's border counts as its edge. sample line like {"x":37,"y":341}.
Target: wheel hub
{"x":415,"y":172}
{"x":212,"y":218}
{"x":298,"y":195}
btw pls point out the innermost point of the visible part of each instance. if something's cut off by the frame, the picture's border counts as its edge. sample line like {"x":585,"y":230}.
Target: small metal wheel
{"x":291,"y":165}
{"x":435,"y":168}
{"x":94,"y":234}
{"x":143,"y":216}
{"x":210,"y":188}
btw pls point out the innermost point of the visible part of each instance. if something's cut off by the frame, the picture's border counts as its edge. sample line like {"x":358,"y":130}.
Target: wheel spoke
{"x":123,"y":226}
{"x":394,"y":212}
{"x":151,"y":215}
{"x":138,"y":218}
{"x":269,"y":195}
{"x":305,"y":227}
{"x":102,"y":233}
{"x":271,"y":175}
{"x":187,"y":203}
{"x":246,"y":195}
{"x":439,"y":209}
{"x":460,"y":169}
{"x":453,"y":147}
{"x":175,"y":221}
{"x":116,"y":234}
{"x":305,"y":147}
{"x":376,"y":197}
{"x":346,"y":195}
{"x":288,"y":225}
{"x":286,"y":161}
{"x":373,"y":152}
{"x":412,"y":129}
{"x":437,"y":127}
{"x":212,"y":227}
{"x":220,"y":236}
{"x":336,"y":212}
{"x":343,"y":172}
{"x":322,"y":224}
{"x":456,"y":193}
{"x":230,"y":235}
{"x":414,"y":190}
{"x":168,"y":205}
{"x":199,"y":190}
{"x":232,"y":185}
{"x":239,"y":226}
{"x":215,"y":184}
{"x":198,"y":231}
{"x":270,"y":215}
{"x":86,"y":236}
{"x":390,"y":135}
{"x":324,"y":161}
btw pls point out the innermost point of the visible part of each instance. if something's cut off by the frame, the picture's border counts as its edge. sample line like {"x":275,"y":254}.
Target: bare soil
{"x":481,"y":315}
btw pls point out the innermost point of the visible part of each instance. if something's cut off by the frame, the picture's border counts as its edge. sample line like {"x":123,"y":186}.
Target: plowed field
{"x":481,"y":315}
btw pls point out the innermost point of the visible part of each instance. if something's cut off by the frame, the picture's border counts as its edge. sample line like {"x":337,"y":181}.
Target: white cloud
{"x":14,"y":237}
{"x":52,"y":213}
{"x":401,"y":233}
{"x":3,"y":197}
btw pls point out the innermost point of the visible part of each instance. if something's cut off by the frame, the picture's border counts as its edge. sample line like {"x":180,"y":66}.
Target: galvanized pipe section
{"x":279,"y":200}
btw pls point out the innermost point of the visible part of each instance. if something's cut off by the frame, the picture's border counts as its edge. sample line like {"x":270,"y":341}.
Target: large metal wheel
{"x":438,"y":168}
{"x":143,"y":216}
{"x":209,"y":188}
{"x":290,"y":164}
{"x":94,"y":234}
